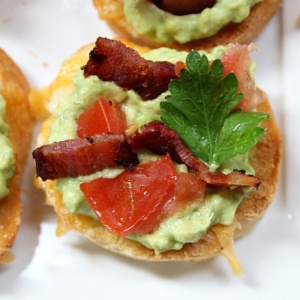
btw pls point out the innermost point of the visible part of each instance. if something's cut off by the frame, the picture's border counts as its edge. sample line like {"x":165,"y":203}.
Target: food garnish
{"x":201,"y":109}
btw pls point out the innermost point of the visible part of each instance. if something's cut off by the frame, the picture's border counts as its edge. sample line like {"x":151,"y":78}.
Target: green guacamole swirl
{"x":163,"y":27}
{"x":7,"y":158}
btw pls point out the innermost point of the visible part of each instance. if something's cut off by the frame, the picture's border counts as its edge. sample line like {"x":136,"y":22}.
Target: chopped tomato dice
{"x":102,"y":117}
{"x":178,"y":66}
{"x":189,"y":188}
{"x":137,"y":200}
{"x":133,"y":201}
{"x":237,"y":59}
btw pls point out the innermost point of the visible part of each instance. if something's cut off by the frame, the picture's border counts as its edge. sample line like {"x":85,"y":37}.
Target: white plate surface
{"x":39,"y":35}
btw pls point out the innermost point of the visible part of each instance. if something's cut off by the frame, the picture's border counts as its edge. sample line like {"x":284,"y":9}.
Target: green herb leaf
{"x":200,"y":109}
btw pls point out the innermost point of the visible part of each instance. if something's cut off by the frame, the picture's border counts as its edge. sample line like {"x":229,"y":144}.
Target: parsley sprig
{"x":200,"y":108}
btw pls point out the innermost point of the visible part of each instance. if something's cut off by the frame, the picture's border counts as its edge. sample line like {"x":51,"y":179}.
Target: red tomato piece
{"x":102,"y":117}
{"x":237,"y":60}
{"x":134,"y":201}
{"x":178,"y":66}
{"x":188,"y":188}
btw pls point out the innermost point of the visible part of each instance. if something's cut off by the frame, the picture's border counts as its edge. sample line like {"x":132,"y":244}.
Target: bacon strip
{"x":72,"y":158}
{"x":161,"y":139}
{"x":180,"y":8}
{"x":111,"y":60}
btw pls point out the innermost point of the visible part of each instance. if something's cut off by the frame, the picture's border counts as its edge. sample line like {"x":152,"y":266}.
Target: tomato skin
{"x":178,"y":66}
{"x":188,"y":188}
{"x":102,"y":117}
{"x":134,"y":200}
{"x":237,"y":59}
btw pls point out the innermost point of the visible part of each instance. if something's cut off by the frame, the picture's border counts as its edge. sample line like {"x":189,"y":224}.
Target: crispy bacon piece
{"x":111,"y":60}
{"x":161,"y":139}
{"x":72,"y":158}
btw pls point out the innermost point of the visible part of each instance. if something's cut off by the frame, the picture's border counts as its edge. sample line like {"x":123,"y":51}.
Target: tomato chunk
{"x":178,"y":66}
{"x":188,"y":189}
{"x":189,"y":186}
{"x":102,"y":117}
{"x":134,"y":201}
{"x":237,"y":59}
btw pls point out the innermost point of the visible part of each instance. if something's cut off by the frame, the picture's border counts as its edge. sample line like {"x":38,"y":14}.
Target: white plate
{"x":39,"y":35}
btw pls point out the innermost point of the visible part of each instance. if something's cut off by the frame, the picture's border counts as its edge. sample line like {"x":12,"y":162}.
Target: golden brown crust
{"x":266,"y":157}
{"x":218,"y":240}
{"x":244,"y":33}
{"x":15,"y":90}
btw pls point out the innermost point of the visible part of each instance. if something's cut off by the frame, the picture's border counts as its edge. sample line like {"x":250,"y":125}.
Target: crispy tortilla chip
{"x":15,"y":90}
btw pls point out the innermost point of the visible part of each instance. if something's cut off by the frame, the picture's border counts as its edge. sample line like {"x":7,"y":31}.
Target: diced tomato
{"x":188,"y":188}
{"x":134,"y":201}
{"x":178,"y":66}
{"x":237,"y":59}
{"x":102,"y":117}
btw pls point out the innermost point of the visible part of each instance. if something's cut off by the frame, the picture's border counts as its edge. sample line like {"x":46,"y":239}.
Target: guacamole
{"x":7,"y":159}
{"x":218,"y":207}
{"x":163,"y":27}
{"x":186,"y":226}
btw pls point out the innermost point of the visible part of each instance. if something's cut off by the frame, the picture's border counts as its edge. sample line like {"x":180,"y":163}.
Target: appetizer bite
{"x":186,"y":25}
{"x":159,"y":154}
{"x":16,"y":125}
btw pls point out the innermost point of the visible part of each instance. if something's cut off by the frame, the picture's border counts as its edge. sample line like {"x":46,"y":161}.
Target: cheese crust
{"x":15,"y":90}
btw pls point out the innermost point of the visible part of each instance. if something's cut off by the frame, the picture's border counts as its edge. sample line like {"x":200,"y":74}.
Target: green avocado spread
{"x":164,"y":27}
{"x":7,"y":159}
{"x":186,"y":226}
